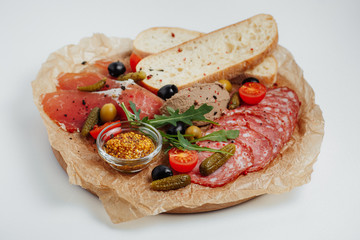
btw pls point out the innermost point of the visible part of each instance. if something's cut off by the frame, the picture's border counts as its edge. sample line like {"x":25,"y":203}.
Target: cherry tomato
{"x":252,"y":92}
{"x":134,"y":59}
{"x":183,"y":161}
{"x":97,"y":129}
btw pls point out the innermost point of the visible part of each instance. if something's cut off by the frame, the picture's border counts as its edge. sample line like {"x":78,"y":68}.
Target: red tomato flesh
{"x":183,"y":161}
{"x":252,"y":92}
{"x":97,"y":129}
{"x":134,"y":60}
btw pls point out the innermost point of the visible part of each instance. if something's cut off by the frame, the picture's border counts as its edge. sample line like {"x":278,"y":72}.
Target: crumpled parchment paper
{"x":128,"y":196}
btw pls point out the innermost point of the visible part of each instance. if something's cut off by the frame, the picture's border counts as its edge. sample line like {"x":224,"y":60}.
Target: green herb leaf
{"x":187,"y":117}
{"x":130,"y":116}
{"x":178,"y":140}
{"x":219,"y":136}
{"x":136,"y":112}
{"x":185,"y":144}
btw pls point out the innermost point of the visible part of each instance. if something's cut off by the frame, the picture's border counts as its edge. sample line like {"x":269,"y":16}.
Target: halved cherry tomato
{"x":97,"y":129}
{"x":134,"y":60}
{"x":252,"y":92}
{"x":183,"y":161}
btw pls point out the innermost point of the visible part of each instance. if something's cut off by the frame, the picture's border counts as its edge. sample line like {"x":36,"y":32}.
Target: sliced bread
{"x":158,"y":39}
{"x":224,"y":53}
{"x":265,"y":72}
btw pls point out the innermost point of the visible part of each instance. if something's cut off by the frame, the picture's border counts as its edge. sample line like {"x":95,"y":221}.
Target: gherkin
{"x":216,"y":160}
{"x":91,"y":121}
{"x":171,"y":183}
{"x":94,"y":87}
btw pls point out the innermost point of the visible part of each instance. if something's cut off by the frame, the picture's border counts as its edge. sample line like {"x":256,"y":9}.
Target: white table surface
{"x":36,"y":199}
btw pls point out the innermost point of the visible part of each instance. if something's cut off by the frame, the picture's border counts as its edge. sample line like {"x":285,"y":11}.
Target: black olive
{"x":160,"y":172}
{"x":167,"y":91}
{"x":250,"y":79}
{"x":180,"y":126}
{"x":116,"y":69}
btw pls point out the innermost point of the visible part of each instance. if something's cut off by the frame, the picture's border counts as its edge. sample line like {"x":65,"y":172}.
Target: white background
{"x":36,"y":200}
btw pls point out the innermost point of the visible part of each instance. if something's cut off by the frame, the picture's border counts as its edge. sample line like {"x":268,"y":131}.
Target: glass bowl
{"x":129,"y":165}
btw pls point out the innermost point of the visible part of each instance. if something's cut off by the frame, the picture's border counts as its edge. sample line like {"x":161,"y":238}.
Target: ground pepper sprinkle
{"x":129,"y":145}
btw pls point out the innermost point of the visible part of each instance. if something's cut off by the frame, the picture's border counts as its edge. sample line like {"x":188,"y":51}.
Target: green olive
{"x":194,"y":131}
{"x":227,"y":84}
{"x":108,"y":112}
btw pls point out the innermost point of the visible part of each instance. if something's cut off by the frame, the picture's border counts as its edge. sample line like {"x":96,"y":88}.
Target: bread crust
{"x":227,"y":73}
{"x":139,"y":48}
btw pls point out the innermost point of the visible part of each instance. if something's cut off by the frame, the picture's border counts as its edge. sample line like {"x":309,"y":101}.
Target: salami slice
{"x":236,"y":165}
{"x":284,"y":92}
{"x":283,"y":105}
{"x":259,"y":125}
{"x":263,"y":130}
{"x":280,"y":121}
{"x":261,"y":146}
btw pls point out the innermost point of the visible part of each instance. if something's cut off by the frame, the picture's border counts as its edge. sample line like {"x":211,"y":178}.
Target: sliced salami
{"x":236,"y":165}
{"x":280,"y":121}
{"x":259,"y":125}
{"x":284,"y":92}
{"x":283,"y":105}
{"x":263,"y":130}
{"x":260,"y":145}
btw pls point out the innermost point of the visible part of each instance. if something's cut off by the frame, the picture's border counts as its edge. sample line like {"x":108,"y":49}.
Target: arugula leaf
{"x":219,"y":136}
{"x":130,"y":116}
{"x":178,"y":140}
{"x":187,"y":117}
{"x":185,"y":144}
{"x":136,"y":112}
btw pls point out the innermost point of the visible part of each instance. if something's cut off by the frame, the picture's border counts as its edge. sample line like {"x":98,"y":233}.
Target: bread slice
{"x":224,"y":53}
{"x":158,"y":39}
{"x":265,"y":72}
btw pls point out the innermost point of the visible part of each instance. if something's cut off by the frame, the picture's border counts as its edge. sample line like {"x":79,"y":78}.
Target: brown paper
{"x":128,"y":196}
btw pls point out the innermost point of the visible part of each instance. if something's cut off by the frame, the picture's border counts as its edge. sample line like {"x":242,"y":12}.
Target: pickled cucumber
{"x":94,"y":87}
{"x":171,"y":183}
{"x":91,"y":121}
{"x":136,"y":76}
{"x":216,"y":160}
{"x":234,"y":101}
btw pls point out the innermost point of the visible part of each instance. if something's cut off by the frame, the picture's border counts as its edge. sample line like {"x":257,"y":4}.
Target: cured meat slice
{"x":257,"y":124}
{"x":70,"y":81}
{"x":236,"y":165}
{"x":261,"y":146}
{"x":281,"y":104}
{"x":284,"y":92}
{"x":101,"y":66}
{"x":280,"y":122}
{"x":279,"y":108}
{"x":69,"y":109}
{"x":263,"y":129}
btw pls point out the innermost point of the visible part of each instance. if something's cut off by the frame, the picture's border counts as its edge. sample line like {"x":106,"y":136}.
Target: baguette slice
{"x":224,"y":53}
{"x":158,"y":39}
{"x":265,"y":72}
